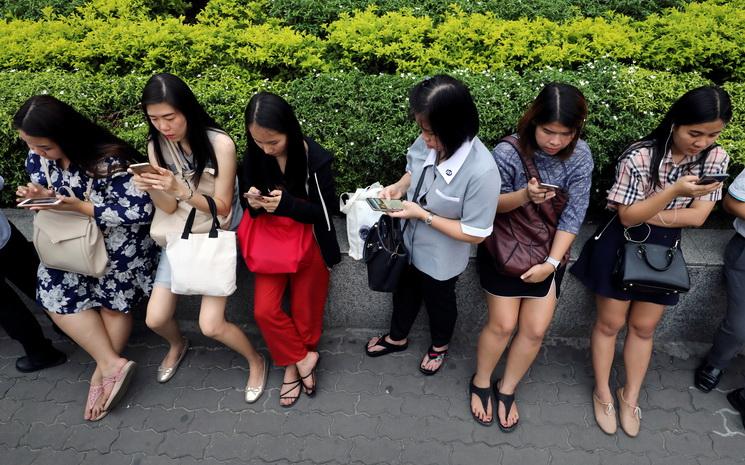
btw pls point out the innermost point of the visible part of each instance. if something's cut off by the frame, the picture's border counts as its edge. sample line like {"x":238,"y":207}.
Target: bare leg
{"x":87,"y":329}
{"x":501,"y":322}
{"x":160,"y":311}
{"x":535,"y":318}
{"x":610,"y":319}
{"x":118,"y":327}
{"x":213,"y":324}
{"x":637,"y":350}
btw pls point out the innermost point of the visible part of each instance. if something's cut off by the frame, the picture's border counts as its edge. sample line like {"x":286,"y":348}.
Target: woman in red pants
{"x":289,"y":186}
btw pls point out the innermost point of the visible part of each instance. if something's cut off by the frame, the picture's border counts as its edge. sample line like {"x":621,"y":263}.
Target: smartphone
{"x":546,"y":185}
{"x":383,"y":205}
{"x":140,"y":168}
{"x":252,"y":195}
{"x":40,"y":201}
{"x":712,"y":178}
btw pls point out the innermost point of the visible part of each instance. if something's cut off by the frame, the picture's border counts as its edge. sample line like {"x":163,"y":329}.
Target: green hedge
{"x":118,"y":37}
{"x":362,"y":118}
{"x":312,"y":15}
{"x":38,"y":9}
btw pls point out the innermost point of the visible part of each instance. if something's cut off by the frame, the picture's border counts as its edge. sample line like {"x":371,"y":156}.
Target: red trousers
{"x":290,"y":337}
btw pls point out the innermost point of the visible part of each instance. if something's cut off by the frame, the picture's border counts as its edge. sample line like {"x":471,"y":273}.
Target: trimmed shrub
{"x":38,"y":9}
{"x":117,"y":37}
{"x":362,"y":119}
{"x":311,"y":15}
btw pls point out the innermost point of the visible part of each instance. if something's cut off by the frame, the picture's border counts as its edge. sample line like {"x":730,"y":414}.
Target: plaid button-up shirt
{"x":634,"y":182}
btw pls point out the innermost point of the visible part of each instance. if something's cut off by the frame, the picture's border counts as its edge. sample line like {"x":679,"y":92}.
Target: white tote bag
{"x":360,"y":217}
{"x":202,"y":264}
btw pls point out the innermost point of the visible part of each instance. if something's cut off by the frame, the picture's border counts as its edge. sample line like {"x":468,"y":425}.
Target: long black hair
{"x":82,"y":141}
{"x":271,"y":111}
{"x":700,"y":105}
{"x":556,"y":103}
{"x":170,"y":89}
{"x":448,"y":107}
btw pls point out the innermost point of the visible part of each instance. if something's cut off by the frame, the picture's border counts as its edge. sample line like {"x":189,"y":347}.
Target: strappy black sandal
{"x":433,"y":355}
{"x":507,"y":400}
{"x":312,"y":376}
{"x":485,"y":395}
{"x":387,"y":347}
{"x":284,"y":394}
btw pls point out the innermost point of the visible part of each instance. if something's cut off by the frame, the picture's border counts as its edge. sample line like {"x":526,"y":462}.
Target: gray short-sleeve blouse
{"x":464,"y":187}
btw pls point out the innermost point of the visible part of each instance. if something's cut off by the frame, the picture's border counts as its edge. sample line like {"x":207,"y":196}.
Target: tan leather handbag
{"x":164,"y":223}
{"x":69,"y":241}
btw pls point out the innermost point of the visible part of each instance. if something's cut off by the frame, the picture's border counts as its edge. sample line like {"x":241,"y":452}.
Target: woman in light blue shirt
{"x":454,"y":209}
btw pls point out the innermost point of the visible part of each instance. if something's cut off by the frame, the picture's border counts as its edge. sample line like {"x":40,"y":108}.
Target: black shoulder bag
{"x":384,"y":253}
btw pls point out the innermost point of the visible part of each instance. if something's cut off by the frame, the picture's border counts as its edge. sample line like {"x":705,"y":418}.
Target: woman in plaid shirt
{"x":655,"y":194}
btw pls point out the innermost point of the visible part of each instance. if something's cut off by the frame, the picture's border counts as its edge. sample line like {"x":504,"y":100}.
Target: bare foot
{"x":433,"y":364}
{"x":477,"y":407}
{"x":98,"y":406}
{"x":507,"y":420}
{"x":306,"y":368}
{"x":93,"y":394}
{"x":290,"y":390}
{"x":373,"y":346}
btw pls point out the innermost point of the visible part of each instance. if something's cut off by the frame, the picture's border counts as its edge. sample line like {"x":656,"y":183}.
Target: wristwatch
{"x":553,"y":262}
{"x":428,"y":219}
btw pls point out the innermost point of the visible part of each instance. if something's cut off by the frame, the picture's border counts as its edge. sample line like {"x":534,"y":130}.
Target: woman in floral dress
{"x":70,"y":154}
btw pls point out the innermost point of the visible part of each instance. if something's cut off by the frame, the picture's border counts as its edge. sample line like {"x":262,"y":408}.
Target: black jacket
{"x":322,"y":201}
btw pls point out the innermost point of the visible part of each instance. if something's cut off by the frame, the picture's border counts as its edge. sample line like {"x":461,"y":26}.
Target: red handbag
{"x":273,"y":244}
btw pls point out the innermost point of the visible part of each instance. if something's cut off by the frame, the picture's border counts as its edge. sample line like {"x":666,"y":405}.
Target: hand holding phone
{"x":385,"y":205}
{"x":546,"y":185}
{"x":712,"y":178}
{"x":142,"y":168}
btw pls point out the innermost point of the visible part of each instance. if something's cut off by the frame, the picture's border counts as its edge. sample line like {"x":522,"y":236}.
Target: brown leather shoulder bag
{"x":522,"y":237}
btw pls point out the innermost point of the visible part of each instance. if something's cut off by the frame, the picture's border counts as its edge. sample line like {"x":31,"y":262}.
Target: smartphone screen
{"x":41,"y":201}
{"x":383,"y":205}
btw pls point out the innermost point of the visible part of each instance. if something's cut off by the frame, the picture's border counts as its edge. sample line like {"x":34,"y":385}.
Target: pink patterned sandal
{"x":120,"y":381}
{"x":94,"y":393}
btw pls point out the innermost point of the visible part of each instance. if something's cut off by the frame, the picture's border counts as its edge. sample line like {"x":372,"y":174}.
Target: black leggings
{"x":18,"y":265}
{"x":439,"y":299}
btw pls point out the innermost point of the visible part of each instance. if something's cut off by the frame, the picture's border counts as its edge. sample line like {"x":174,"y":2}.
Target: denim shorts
{"x":163,"y":273}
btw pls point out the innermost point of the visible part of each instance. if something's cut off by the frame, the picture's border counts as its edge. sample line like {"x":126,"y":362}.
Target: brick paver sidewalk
{"x":366,"y":411}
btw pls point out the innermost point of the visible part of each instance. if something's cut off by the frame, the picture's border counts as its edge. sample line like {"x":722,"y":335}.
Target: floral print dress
{"x":123,"y":213}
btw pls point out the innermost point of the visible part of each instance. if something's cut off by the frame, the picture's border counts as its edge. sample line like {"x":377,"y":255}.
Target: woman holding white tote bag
{"x":191,"y":158}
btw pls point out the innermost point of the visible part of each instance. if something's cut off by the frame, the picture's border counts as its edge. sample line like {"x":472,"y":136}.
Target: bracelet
{"x":675,"y":217}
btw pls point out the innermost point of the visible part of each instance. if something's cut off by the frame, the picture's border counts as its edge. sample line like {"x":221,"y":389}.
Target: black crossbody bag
{"x":385,"y":253}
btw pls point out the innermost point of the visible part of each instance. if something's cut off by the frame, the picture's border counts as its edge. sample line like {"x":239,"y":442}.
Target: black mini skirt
{"x":595,"y":265}
{"x":495,"y":283}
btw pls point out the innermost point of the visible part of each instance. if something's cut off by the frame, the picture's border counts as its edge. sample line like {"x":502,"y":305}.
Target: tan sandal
{"x":631,"y":415}
{"x":605,"y":415}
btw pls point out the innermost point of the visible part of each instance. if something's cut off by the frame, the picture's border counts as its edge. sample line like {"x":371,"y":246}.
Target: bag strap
{"x":531,"y":171}
{"x":416,"y":194}
{"x":45,"y":167}
{"x":192,"y":215}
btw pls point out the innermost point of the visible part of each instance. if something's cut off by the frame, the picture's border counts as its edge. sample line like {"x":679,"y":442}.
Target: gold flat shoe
{"x":165,"y":374}
{"x":253,"y":393}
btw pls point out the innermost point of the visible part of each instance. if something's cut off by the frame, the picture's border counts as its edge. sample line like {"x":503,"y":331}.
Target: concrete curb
{"x":352,"y":305}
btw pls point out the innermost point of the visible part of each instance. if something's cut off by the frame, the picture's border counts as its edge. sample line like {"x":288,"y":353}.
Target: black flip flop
{"x":388,"y":348}
{"x":433,"y":355}
{"x":507,"y":400}
{"x":485,"y":395}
